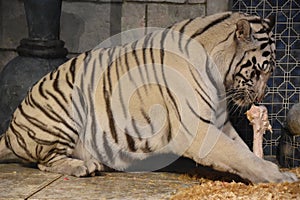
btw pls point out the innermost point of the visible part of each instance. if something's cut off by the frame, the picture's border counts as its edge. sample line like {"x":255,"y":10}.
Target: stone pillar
{"x":40,"y":53}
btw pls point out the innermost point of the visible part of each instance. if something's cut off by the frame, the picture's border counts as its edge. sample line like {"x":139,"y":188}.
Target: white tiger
{"x":164,"y":93}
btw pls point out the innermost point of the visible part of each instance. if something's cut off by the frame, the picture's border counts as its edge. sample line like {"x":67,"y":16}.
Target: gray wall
{"x":85,"y":23}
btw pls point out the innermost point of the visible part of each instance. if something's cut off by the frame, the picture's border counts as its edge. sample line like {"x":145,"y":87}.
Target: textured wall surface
{"x":86,"y":23}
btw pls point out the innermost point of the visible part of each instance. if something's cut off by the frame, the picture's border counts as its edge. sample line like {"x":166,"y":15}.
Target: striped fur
{"x":164,"y":93}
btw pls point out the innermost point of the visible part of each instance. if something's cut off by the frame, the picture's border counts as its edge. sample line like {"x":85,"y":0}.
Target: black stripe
{"x":128,"y":71}
{"x":110,"y":52}
{"x":182,"y":30}
{"x":130,"y":141}
{"x":109,"y":113}
{"x":199,"y":86}
{"x":38,"y":151}
{"x":35,"y":105}
{"x":262,"y":39}
{"x":70,"y":84}
{"x":162,"y":55}
{"x":210,"y":25}
{"x":118,"y":65}
{"x":86,"y":54}
{"x":169,"y":135}
{"x":162,"y":51}
{"x":247,"y":64}
{"x":121,"y":90}
{"x":173,"y":102}
{"x":135,"y":128}
{"x":255,"y":21}
{"x":61,"y":105}
{"x":243,"y":77}
{"x":227,"y":37}
{"x":266,"y":53}
{"x":56,"y":87}
{"x":51,"y":75}
{"x":6,"y":139}
{"x":72,"y":69}
{"x":58,"y":118}
{"x":109,"y":68}
{"x":211,"y":76}
{"x":21,"y":142}
{"x":264,"y":65}
{"x":43,"y":127}
{"x":67,"y":135}
{"x":133,"y":48}
{"x":202,"y":97}
{"x":146,"y":116}
{"x":101,"y":53}
{"x":52,"y":155}
{"x":40,"y":87}
{"x":127,"y":64}
{"x":241,"y":60}
{"x":86,"y":60}
{"x":136,"y":58}
{"x":229,"y":67}
{"x":145,"y":47}
{"x":40,"y":141}
{"x":148,"y":119}
{"x":147,"y":148}
{"x":152,"y":54}
{"x":197,"y":115}
{"x":261,"y":31}
{"x":153,"y":65}
{"x":264,"y":45}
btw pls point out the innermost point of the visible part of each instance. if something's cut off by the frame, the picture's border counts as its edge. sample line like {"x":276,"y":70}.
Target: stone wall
{"x":85,"y":23}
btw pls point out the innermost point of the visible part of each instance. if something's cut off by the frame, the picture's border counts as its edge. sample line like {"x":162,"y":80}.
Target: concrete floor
{"x":20,"y":182}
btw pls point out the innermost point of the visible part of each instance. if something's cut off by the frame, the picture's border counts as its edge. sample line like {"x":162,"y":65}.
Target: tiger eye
{"x":253,"y":60}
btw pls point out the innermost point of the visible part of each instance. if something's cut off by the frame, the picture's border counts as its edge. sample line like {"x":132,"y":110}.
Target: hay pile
{"x":208,"y":189}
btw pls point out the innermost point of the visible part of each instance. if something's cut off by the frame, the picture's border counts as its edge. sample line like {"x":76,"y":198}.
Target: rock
{"x":293,"y":119}
{"x":258,"y":117}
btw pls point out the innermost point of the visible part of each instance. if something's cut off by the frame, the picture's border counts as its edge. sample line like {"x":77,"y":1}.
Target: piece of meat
{"x":258,"y":117}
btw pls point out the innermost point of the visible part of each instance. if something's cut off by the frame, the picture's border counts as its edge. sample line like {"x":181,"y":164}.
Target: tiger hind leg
{"x":6,"y":154}
{"x":73,"y":167}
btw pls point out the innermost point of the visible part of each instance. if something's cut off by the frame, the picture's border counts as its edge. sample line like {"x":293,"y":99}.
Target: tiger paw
{"x":90,"y":168}
{"x":73,"y":167}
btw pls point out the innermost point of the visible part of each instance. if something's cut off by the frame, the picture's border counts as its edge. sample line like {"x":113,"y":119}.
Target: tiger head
{"x":254,"y":61}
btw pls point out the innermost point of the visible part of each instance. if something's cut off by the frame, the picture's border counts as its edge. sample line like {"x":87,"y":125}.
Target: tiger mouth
{"x":243,"y":102}
{"x":243,"y":99}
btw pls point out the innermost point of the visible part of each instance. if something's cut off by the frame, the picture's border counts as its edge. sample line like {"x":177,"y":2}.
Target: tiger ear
{"x":271,"y":20}
{"x":243,"y":30}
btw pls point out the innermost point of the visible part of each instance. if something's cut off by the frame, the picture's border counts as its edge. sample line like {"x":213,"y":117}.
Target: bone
{"x":258,"y":117}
